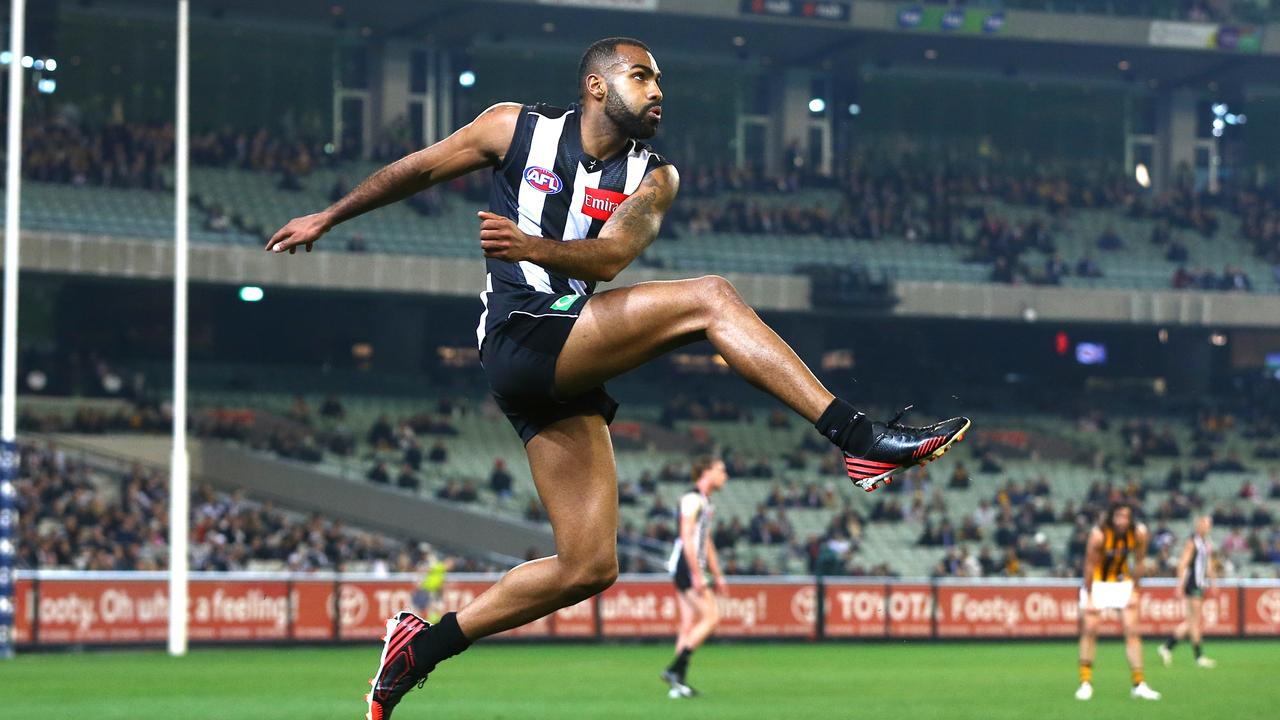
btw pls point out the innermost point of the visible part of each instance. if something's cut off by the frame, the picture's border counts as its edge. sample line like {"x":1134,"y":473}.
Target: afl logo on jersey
{"x":543,"y":180}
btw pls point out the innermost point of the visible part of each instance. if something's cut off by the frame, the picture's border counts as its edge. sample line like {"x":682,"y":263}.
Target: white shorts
{"x":1108,"y":595}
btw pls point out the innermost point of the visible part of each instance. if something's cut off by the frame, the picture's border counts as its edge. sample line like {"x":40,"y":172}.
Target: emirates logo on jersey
{"x":600,"y":204}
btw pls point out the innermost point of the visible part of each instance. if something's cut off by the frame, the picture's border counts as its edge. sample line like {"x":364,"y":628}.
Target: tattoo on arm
{"x":636,"y":222}
{"x":633,"y":227}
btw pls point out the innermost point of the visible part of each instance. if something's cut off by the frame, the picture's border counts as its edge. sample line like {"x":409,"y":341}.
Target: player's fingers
{"x":287,"y":243}
{"x":280,"y":236}
{"x":486,"y":215}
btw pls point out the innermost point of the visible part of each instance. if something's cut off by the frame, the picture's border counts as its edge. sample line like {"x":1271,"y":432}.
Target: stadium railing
{"x":72,"y":608}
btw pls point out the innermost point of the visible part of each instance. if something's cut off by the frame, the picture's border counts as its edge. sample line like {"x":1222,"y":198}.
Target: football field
{"x":791,"y":681}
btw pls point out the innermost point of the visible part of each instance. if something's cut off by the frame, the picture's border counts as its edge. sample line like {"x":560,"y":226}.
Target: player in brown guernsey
{"x":1113,"y":564}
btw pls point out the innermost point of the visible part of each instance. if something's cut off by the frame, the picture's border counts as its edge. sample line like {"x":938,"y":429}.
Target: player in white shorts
{"x":1113,"y":564}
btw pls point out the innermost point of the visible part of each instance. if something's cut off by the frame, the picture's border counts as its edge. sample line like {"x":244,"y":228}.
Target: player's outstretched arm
{"x":480,"y":143}
{"x":631,"y":228}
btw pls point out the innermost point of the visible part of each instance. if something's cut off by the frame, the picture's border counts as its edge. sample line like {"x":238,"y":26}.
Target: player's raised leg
{"x":573,"y":468}
{"x":622,"y":329}
{"x":625,"y":328}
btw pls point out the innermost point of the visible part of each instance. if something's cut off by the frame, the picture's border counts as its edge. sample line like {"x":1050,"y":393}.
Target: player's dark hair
{"x":1110,"y":518}
{"x":701,"y":464}
{"x":601,"y":52}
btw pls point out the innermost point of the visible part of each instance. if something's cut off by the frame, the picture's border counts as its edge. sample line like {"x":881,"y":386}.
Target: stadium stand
{"x":1194,"y":10}
{"x":900,"y":219}
{"x":1015,"y":503}
{"x":80,"y":512}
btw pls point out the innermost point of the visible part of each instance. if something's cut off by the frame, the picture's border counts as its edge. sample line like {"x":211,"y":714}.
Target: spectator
{"x":628,"y":494}
{"x":332,"y":409}
{"x":984,"y":516}
{"x":1234,"y":279}
{"x":378,"y":474}
{"x":413,"y":455}
{"x":1088,"y":268}
{"x":534,"y":512}
{"x":659,"y":510}
{"x":1110,"y":240}
{"x":407,"y":479}
{"x":380,"y":435}
{"x":500,"y":480}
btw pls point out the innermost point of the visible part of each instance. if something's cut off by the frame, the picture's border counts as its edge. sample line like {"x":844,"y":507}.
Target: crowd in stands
{"x":1004,"y":535}
{"x":77,"y":516}
{"x":935,"y":204}
{"x":64,"y":147}
{"x":920,"y":201}
{"x":1005,"y":531}
{"x":123,"y":155}
{"x":1200,"y":11}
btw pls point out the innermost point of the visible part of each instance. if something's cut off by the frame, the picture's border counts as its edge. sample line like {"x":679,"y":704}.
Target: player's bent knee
{"x":715,"y":291}
{"x":590,"y":579}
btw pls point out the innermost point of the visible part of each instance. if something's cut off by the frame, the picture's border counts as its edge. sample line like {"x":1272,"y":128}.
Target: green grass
{"x":881,"y":681}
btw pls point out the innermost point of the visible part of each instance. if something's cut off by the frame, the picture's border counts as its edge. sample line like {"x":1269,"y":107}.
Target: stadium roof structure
{"x":716,"y":27}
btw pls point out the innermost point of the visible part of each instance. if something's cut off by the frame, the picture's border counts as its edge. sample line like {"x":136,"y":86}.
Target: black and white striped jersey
{"x":551,"y":188}
{"x":1202,"y":553}
{"x":697,"y":506}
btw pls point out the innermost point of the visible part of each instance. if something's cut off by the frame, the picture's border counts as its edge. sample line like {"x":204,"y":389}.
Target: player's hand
{"x":1180,"y":592}
{"x":722,"y":588}
{"x":1133,"y":600}
{"x":303,"y":230}
{"x":699,"y":583}
{"x":501,"y":239}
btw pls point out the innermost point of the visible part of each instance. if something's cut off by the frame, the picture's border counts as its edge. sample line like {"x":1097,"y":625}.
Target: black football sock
{"x":442,"y":641}
{"x":1195,"y":647}
{"x":849,"y":429}
{"x":680,"y":665}
{"x":1170,"y":644}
